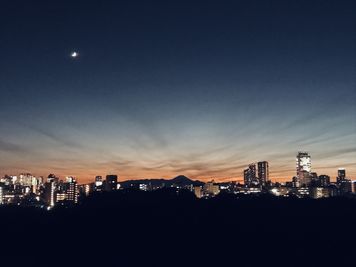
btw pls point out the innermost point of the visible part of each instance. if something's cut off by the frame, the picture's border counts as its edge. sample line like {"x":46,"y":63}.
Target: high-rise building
{"x":341,"y":175}
{"x":35,"y":183}
{"x":98,"y":180}
{"x":52,"y":177}
{"x":314,"y":176}
{"x":72,"y":190}
{"x":303,"y":167}
{"x":295,"y":181}
{"x":263,"y":172}
{"x":324,"y":180}
{"x":250,"y":175}
{"x":98,"y":185}
{"x":50,"y":193}
{"x":25,"y":179}
{"x":111,"y":182}
{"x":87,"y":189}
{"x":345,"y":187}
{"x":1,"y":195}
{"x":353,"y":186}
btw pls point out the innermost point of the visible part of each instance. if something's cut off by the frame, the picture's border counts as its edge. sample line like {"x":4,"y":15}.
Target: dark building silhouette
{"x":324,"y":180}
{"x":111,"y":182}
{"x":313,"y":176}
{"x":345,"y":187}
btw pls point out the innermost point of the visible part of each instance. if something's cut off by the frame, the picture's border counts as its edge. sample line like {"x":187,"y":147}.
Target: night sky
{"x":161,"y":88}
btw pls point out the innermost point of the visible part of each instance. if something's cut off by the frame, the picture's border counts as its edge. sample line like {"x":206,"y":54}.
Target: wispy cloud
{"x":60,"y":140}
{"x":10,"y":147}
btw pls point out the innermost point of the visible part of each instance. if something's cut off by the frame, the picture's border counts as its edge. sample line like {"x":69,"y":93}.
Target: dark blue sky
{"x":161,"y":88}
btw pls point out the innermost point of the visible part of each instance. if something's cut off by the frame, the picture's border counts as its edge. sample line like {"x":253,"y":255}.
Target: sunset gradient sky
{"x":161,"y":88}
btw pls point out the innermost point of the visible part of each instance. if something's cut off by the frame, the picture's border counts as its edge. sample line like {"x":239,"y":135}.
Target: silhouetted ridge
{"x":180,"y":180}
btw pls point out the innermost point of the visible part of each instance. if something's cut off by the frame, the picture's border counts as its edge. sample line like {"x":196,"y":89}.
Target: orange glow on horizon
{"x":87,"y":176}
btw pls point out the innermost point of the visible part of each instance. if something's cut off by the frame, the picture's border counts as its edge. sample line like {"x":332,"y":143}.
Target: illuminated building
{"x":111,"y":182}
{"x":71,"y":190}
{"x":51,"y":177}
{"x":303,"y":168}
{"x":7,"y":180}
{"x":49,"y":193}
{"x":263,"y":172}
{"x":35,"y":183}
{"x":143,"y":187}
{"x":250,"y":190}
{"x":1,"y":195}
{"x":319,"y":192}
{"x":211,"y":189}
{"x":341,"y":175}
{"x":198,"y":191}
{"x":295,"y":182}
{"x":98,"y":183}
{"x":250,"y":175}
{"x":61,"y":186}
{"x":25,"y":179}
{"x":302,"y":192}
{"x":13,"y":179}
{"x":353,"y":186}
{"x":279,"y":191}
{"x":87,"y":189}
{"x":60,"y":196}
{"x":27,"y":190}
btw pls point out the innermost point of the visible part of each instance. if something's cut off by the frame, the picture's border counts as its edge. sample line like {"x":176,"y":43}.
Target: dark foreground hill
{"x":163,"y":228}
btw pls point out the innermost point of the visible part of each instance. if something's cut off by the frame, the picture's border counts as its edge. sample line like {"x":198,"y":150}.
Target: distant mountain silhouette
{"x":180,"y":180}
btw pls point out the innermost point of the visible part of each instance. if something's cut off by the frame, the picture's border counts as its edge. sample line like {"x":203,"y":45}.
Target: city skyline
{"x":261,"y":171}
{"x":150,"y":90}
{"x":48,"y":192}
